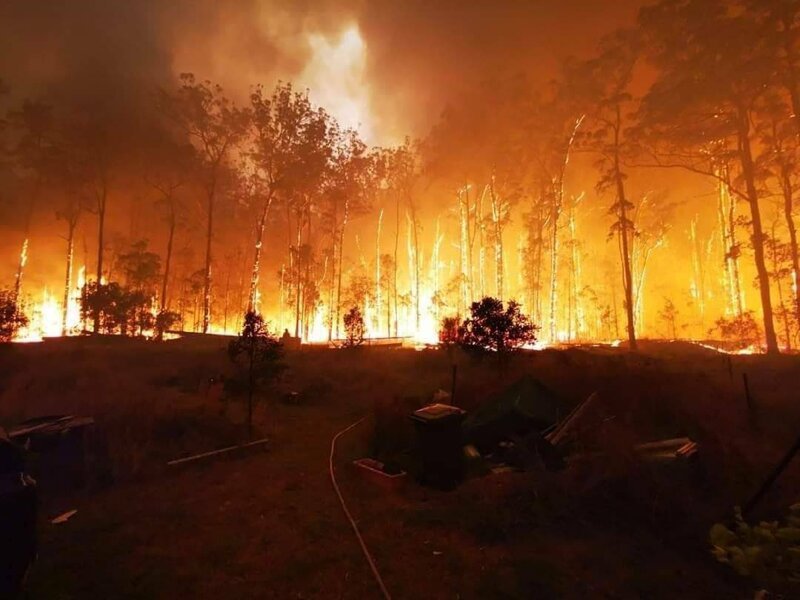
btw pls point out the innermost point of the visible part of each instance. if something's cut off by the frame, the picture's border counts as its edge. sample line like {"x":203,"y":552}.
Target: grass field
{"x":266,"y":523}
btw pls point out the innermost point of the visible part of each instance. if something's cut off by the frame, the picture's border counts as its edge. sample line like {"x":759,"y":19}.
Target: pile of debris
{"x":66,"y":451}
{"x":529,"y":425}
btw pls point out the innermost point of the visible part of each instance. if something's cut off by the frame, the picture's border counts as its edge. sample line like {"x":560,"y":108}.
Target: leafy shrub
{"x":116,"y":308}
{"x":165,"y":320}
{"x":448,"y":332}
{"x":742,"y":330}
{"x":12,"y":319}
{"x":769,"y":551}
{"x":496,"y":328}
{"x":354,"y":327}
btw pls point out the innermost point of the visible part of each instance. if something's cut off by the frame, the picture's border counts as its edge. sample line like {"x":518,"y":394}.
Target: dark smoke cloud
{"x":420,"y":54}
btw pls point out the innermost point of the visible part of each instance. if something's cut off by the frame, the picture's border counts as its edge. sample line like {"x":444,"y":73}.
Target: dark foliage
{"x":493,"y":327}
{"x":118,"y":309}
{"x":742,"y":331}
{"x":12,"y":319}
{"x":257,"y":349}
{"x":165,"y":320}
{"x":257,"y":354}
{"x":354,"y":328}
{"x":449,"y":332}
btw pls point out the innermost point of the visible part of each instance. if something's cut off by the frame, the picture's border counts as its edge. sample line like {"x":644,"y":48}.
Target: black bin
{"x":438,"y":445}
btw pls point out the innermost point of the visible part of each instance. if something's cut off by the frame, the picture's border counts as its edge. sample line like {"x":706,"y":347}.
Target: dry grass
{"x":267,"y":525}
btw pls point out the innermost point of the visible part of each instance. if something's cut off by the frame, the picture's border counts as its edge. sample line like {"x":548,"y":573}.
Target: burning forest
{"x":616,"y":198}
{"x":549,"y":231}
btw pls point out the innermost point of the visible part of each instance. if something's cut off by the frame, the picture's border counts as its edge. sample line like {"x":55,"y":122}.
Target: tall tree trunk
{"x":396,"y":249}
{"x":698,"y":272}
{"x":498,"y":238}
{"x":23,"y":259}
{"x":341,"y":264}
{"x":297,"y":282}
{"x":788,"y":214}
{"x":307,"y":314}
{"x":102,"y":197}
{"x":262,"y":224}
{"x":72,"y":223}
{"x":748,"y":172}
{"x":575,"y":269}
{"x":207,"y":269}
{"x":776,"y":273}
{"x":415,"y":225}
{"x":23,"y":254}
{"x":168,"y":260}
{"x":555,"y":213}
{"x":481,"y":243}
{"x":627,"y":279}
{"x":378,"y":273}
{"x":791,"y":83}
{"x":727,"y":221}
{"x":464,"y":250}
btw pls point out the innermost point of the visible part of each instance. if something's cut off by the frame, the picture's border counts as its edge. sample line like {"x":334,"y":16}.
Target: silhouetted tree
{"x":258,"y":353}
{"x":604,"y":82}
{"x":214,"y":125}
{"x":494,"y":327}
{"x":699,"y":113}
{"x":354,"y":328}
{"x":11,"y":318}
{"x":741,"y":330}
{"x":448,"y":332}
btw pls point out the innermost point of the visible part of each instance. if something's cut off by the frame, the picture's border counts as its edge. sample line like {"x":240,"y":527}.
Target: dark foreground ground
{"x":266,"y":524}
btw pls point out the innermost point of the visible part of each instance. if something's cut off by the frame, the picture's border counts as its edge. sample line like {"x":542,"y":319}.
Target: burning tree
{"x":494,"y":327}
{"x":348,"y":191}
{"x":741,"y":330}
{"x":604,"y":83}
{"x":354,"y":327}
{"x":215,"y":126}
{"x":11,"y":318}
{"x":704,"y":100}
{"x":32,"y":152}
{"x":449,"y":332}
{"x":287,"y":132}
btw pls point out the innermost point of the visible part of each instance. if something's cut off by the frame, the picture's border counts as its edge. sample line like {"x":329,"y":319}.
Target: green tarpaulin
{"x":524,"y":407}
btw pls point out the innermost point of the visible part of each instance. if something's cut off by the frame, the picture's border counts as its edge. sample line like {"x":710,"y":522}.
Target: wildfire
{"x":46,"y":315}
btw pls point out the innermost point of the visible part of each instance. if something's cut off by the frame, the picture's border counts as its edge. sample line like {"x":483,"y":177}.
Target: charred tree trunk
{"x":627,"y":279}
{"x":262,"y":224}
{"x":23,"y":254}
{"x":498,"y":238}
{"x":378,"y":272}
{"x":102,"y":198}
{"x":72,"y":223}
{"x":788,"y":213}
{"x":341,"y":264}
{"x":168,"y":259}
{"x":748,"y":172}
{"x":555,"y":213}
{"x":297,"y":276}
{"x":415,"y":229}
{"x":211,"y":198}
{"x":396,"y":249}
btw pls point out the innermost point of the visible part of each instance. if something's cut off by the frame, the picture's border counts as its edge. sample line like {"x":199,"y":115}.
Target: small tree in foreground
{"x":354,"y":327}
{"x":496,"y":328}
{"x":11,"y":318}
{"x":258,"y":354}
